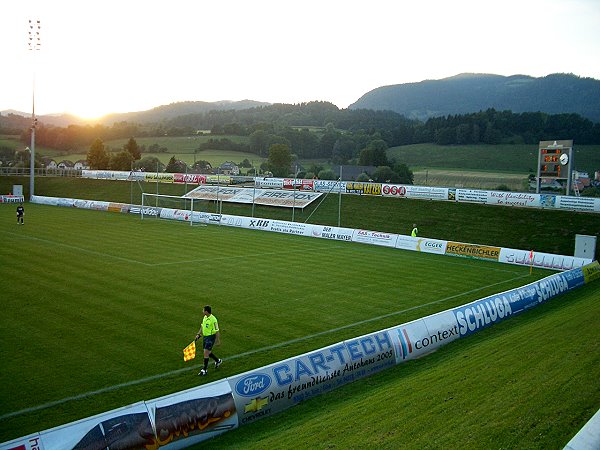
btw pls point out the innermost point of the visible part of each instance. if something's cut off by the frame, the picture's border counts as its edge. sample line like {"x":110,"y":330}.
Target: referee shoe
{"x":218,"y":363}
{"x":203,"y":372}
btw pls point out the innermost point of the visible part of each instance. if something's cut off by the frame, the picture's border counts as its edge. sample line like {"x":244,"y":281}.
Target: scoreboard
{"x":555,"y":161}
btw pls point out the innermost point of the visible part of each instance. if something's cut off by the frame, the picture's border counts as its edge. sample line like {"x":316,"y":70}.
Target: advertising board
{"x":271,"y":197}
{"x":355,"y":187}
{"x":336,"y":233}
{"x":418,"y":244}
{"x":375,"y":238}
{"x":417,"y":192}
{"x":489,"y":310}
{"x":540,"y":260}
{"x":266,"y":391}
{"x":127,"y":427}
{"x":30,"y":442}
{"x":330,"y":186}
{"x":189,"y":417}
{"x":472,"y":251}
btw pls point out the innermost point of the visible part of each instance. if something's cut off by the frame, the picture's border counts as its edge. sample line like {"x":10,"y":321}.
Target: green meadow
{"x":97,"y":307}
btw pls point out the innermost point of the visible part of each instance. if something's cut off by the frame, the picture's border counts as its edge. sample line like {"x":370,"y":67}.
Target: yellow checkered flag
{"x":189,"y":352}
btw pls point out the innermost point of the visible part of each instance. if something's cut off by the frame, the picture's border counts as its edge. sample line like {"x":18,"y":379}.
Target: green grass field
{"x":491,"y":158}
{"x":523,"y":228}
{"x":98,"y":306}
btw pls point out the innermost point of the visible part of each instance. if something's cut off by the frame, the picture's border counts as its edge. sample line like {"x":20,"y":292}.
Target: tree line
{"x":293,"y":125}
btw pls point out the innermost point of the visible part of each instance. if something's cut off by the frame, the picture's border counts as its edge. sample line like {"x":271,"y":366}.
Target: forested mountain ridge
{"x":468,"y":93}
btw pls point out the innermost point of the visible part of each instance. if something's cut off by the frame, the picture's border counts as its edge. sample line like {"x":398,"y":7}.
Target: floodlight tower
{"x":35,"y":44}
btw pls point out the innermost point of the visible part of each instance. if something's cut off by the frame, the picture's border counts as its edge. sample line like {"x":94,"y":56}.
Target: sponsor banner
{"x":335,"y":233}
{"x":393,"y":190}
{"x":258,"y":224}
{"x":329,"y":186}
{"x":189,"y":178}
{"x":418,"y":192}
{"x":137,"y":176}
{"x":589,"y":204}
{"x":41,"y":200}
{"x":31,"y":442}
{"x":375,"y":238}
{"x":158,"y":177}
{"x":91,"y":204}
{"x":65,"y":202}
{"x":218,"y":179}
{"x":418,"y":244}
{"x":292,"y":183}
{"x":214,"y":218}
{"x":118,"y":207}
{"x":11,"y":199}
{"x":548,"y":200}
{"x":591,"y":272}
{"x":404,"y":338}
{"x":127,"y":427}
{"x":271,"y":389}
{"x":298,"y":228}
{"x":273,"y":183}
{"x":201,"y":217}
{"x":188,"y":417}
{"x":153,"y":211}
{"x":106,"y":174}
{"x":353,"y":187}
{"x":489,"y":310}
{"x":233,"y":221}
{"x":415,"y":339}
{"x":176,"y":214}
{"x":269,"y":197}
{"x":471,"y":195}
{"x":308,"y":185}
{"x":513,"y":199}
{"x":298,"y":183}
{"x":287,"y":199}
{"x":540,"y":260}
{"x":472,"y":251}
{"x":222,"y":193}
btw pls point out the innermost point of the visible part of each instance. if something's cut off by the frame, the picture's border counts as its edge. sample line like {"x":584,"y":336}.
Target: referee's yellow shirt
{"x":210,"y":325}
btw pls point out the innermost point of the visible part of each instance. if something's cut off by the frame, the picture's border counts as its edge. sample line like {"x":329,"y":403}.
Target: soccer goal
{"x":172,"y":207}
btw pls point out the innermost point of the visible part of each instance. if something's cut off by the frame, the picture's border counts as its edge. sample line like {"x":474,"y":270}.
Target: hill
{"x":467,"y":93}
{"x":166,"y":112}
{"x":154,"y":115}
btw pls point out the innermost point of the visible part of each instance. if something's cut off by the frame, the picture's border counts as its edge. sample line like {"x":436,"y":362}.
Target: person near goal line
{"x":209,"y":331}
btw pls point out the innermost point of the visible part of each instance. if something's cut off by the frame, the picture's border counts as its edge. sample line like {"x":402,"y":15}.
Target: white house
{"x":229,"y":168}
{"x":81,"y":165}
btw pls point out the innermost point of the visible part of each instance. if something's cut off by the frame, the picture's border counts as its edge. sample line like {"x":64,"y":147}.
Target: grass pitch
{"x":97,"y":308}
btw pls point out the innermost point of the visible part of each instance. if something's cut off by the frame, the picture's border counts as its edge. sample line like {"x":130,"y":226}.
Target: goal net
{"x":172,"y":207}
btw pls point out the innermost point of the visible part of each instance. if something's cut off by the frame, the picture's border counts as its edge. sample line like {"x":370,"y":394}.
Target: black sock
{"x":205,"y":363}
{"x":212,"y":355}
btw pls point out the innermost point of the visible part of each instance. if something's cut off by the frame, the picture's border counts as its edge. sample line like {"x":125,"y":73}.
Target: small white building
{"x":81,"y":165}
{"x":49,"y":163}
{"x":229,"y":168}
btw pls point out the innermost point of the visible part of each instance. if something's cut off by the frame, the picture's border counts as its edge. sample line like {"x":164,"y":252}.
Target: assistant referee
{"x":210,"y":336}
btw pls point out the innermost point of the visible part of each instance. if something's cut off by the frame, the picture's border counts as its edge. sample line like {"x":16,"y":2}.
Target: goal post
{"x":161,"y":206}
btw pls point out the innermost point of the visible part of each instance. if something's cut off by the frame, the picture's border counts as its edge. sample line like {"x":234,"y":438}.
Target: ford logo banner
{"x":253,"y":385}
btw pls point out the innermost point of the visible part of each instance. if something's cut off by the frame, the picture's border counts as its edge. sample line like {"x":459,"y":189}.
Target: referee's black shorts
{"x":208,"y":341}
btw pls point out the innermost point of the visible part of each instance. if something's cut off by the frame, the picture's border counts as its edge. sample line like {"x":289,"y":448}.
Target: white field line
{"x":240,"y":355}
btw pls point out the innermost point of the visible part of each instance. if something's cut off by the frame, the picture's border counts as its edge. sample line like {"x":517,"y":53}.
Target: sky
{"x":103,"y":56}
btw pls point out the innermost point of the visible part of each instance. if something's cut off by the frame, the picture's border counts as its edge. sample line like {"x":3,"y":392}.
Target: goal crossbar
{"x":162,"y":207}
